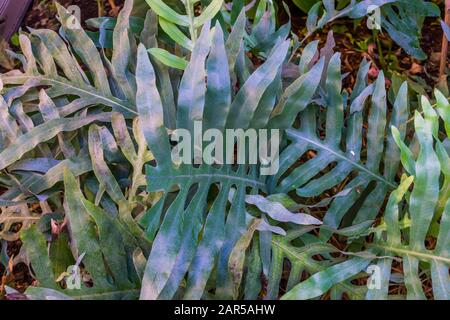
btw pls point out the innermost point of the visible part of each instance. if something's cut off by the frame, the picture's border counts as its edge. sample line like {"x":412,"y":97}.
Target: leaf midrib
{"x":405,"y":251}
{"x":66,"y":84}
{"x":104,"y":294}
{"x":286,"y":249}
{"x":343,"y":157}
{"x":247,"y":181}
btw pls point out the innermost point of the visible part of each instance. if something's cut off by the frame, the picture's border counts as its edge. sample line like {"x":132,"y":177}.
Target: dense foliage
{"x":85,"y":159}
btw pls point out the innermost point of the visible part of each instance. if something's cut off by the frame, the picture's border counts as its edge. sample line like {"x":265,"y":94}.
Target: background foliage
{"x":88,"y":179}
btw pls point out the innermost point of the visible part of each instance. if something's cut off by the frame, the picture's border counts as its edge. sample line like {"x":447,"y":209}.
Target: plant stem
{"x":444,"y":49}
{"x":380,"y":50}
{"x":190,"y":13}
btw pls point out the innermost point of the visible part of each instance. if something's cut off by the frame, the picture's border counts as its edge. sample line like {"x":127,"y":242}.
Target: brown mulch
{"x":42,"y":14}
{"x":351,"y":40}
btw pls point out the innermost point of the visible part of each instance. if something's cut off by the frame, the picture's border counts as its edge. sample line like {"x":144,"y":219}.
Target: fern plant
{"x":105,"y":189}
{"x":41,"y":127}
{"x":339,"y":154}
{"x":45,"y":114}
{"x":184,"y":214}
{"x":171,"y":21}
{"x":116,"y":278}
{"x":99,"y":226}
{"x":85,"y":128}
{"x":404,"y":232}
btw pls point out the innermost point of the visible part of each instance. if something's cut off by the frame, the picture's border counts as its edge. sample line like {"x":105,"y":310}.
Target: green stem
{"x":190,"y":13}
{"x":404,"y":251}
{"x":421,"y":112}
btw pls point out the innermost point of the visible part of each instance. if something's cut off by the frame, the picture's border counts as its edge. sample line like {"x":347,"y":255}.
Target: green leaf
{"x":407,"y":157}
{"x":218,"y":91}
{"x":278,"y":212}
{"x":163,"y":10}
{"x":208,"y":13}
{"x":301,"y":259}
{"x":83,"y":230}
{"x":150,"y":108}
{"x":422,"y":204}
{"x":237,"y":256}
{"x":175,"y":33}
{"x":322,"y":281}
{"x":243,"y":107}
{"x":47,"y":49}
{"x":36,"y":249}
{"x":168,"y":59}
{"x":43,"y":133}
{"x":191,"y":95}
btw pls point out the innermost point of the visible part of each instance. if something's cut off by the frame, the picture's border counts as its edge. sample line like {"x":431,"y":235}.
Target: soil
{"x":42,"y":13}
{"x":350,"y":41}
